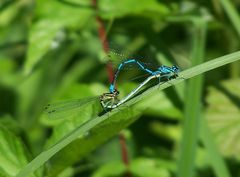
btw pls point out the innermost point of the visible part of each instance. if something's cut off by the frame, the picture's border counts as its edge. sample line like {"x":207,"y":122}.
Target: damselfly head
{"x":107,"y":100}
{"x":116,"y":92}
{"x":175,"y":69}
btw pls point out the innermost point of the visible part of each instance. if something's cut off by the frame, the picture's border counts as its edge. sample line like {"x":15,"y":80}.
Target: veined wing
{"x":69,"y":108}
{"x":117,"y":58}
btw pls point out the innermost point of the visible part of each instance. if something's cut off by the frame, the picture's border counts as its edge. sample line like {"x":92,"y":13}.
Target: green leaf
{"x":168,"y":109}
{"x":99,"y":129}
{"x":6,"y":66}
{"x":232,"y":13}
{"x":213,"y":155}
{"x":13,"y":156}
{"x":8,"y":14}
{"x":41,"y":38}
{"x":223,"y":116}
{"x":50,"y":26}
{"x":69,"y":172}
{"x":10,"y":124}
{"x":107,"y":170}
{"x":67,"y":116}
{"x":89,"y":140}
{"x":143,"y":167}
{"x":79,"y":112}
{"x":36,"y":89}
{"x":123,"y":8}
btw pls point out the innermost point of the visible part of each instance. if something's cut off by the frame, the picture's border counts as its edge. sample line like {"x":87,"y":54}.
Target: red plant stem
{"x":105,"y":46}
{"x":124,"y":151}
{"x":123,"y":148}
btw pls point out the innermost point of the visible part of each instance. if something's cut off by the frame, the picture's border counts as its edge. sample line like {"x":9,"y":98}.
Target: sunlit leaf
{"x":143,"y":167}
{"x":224,"y":116}
{"x":13,"y":155}
{"x":110,"y":169}
{"x":45,"y":33}
{"x":116,"y":8}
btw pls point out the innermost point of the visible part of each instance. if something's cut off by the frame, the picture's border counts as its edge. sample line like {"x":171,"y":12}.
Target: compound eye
{"x":175,"y":68}
{"x":116,"y":91}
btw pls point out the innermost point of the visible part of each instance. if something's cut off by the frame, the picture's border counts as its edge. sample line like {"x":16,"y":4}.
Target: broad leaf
{"x":48,"y":30}
{"x":114,"y":8}
{"x":143,"y":167}
{"x":13,"y":155}
{"x":110,"y":169}
{"x":224,"y":116}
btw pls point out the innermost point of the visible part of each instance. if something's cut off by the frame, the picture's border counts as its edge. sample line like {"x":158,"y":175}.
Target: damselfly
{"x":162,"y":70}
{"x":163,"y":73}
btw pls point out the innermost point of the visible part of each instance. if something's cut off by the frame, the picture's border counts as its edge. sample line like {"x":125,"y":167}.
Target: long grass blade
{"x":232,"y":14}
{"x":214,"y":156}
{"x":193,"y":92}
{"x":234,"y":17}
{"x":92,"y":123}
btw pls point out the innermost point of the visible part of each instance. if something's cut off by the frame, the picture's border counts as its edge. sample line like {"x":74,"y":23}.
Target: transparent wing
{"x":140,"y":77}
{"x":116,"y":57}
{"x":69,"y":108}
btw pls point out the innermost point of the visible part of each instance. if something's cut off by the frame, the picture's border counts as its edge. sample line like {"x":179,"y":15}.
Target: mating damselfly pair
{"x":163,"y":73}
{"x":110,"y":100}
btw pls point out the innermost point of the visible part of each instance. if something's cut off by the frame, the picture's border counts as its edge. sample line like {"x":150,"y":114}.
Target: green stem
{"x":214,"y":157}
{"x":233,"y":15}
{"x":192,"y":106}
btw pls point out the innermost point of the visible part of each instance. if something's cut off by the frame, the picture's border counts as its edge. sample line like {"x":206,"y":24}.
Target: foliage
{"x":50,"y":52}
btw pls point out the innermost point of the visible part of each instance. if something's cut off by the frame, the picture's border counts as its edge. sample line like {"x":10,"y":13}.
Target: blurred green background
{"x":52,"y":51}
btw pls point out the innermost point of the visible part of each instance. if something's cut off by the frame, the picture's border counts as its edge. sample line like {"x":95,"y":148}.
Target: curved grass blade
{"x":69,"y":108}
{"x":108,"y":119}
